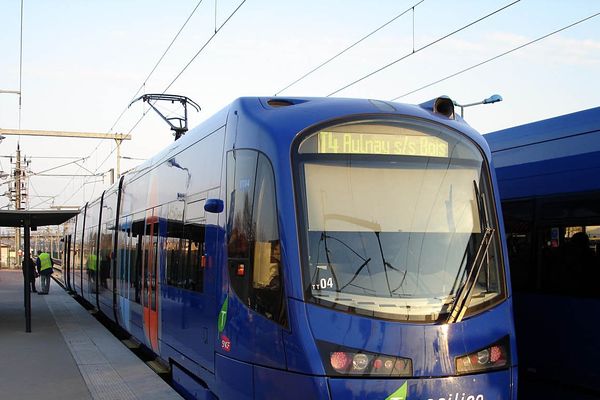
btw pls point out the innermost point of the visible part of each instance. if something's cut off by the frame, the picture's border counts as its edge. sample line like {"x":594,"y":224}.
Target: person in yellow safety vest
{"x":92,"y":266}
{"x":45,"y":268}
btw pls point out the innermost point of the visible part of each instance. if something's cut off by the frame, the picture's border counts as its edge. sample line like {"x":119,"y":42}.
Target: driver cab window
{"x":253,"y":234}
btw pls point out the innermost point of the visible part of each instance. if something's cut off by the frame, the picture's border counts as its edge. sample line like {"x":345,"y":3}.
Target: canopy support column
{"x":27,"y":269}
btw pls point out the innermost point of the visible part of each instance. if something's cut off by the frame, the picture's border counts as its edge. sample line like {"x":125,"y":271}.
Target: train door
{"x":149,"y":279}
{"x":67,"y":261}
{"x":126,"y":252}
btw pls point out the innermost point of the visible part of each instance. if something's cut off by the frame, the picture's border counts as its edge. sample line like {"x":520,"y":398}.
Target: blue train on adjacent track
{"x":548,"y":175}
{"x":310,"y":248}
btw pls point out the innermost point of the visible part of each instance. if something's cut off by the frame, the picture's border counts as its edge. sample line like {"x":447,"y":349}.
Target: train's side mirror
{"x":214,"y":206}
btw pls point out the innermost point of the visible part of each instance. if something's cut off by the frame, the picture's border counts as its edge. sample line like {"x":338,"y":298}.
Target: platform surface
{"x":68,"y":354}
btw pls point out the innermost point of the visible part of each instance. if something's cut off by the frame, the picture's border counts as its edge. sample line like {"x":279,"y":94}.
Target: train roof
{"x":288,"y":116}
{"x":553,"y":156}
{"x":556,"y":128}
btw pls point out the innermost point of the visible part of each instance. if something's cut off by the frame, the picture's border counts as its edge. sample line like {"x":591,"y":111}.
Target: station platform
{"x":68,"y":354}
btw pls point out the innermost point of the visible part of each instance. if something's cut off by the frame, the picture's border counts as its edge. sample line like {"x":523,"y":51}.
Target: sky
{"x":83,"y":62}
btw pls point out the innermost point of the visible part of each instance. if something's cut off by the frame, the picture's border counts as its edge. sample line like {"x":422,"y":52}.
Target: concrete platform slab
{"x":68,"y":354}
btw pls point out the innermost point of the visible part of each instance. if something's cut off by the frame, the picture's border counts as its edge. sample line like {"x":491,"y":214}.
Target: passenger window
{"x":253,"y":245}
{"x":554,"y":245}
{"x":185,"y":246}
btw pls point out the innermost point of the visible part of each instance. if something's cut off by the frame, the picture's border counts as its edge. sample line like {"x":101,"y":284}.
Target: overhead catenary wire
{"x":141,"y":87}
{"x":144,"y":81}
{"x":45,"y":157}
{"x":156,"y":65}
{"x":497,"y":56}
{"x":423,"y":48}
{"x":192,"y":60}
{"x":167,"y":88}
{"x":46,"y":170}
{"x":352,"y":46}
{"x":37,"y":195}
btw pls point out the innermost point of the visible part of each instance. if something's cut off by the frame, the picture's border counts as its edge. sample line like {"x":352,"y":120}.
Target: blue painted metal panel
{"x":301,"y":351}
{"x":136,"y":322}
{"x":249,"y":331}
{"x":551,"y":177}
{"x":432,"y":347}
{"x":190,"y":387}
{"x":553,"y":156}
{"x":185,"y":320}
{"x":547,"y":130}
{"x":124,"y":313}
{"x":173,"y":355}
{"x":496,"y":385}
{"x":105,"y":300}
{"x":276,"y":384}
{"x":567,"y":352}
{"x":234,"y":379}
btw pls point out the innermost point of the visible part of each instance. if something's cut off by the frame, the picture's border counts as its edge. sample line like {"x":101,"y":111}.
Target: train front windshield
{"x":394,"y":215}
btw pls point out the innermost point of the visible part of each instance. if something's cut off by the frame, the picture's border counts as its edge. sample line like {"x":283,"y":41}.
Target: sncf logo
{"x":225,"y":343}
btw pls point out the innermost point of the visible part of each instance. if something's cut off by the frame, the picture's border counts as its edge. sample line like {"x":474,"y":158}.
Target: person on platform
{"x":28,"y":261}
{"x":45,"y":269}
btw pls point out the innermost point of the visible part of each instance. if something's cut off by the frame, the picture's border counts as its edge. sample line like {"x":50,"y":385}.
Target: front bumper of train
{"x":498,"y":385}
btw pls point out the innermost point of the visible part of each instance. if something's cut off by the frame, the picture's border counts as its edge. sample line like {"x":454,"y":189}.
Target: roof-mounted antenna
{"x":178,"y":125}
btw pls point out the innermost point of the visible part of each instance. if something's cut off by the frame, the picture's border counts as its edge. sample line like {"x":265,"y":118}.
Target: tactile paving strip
{"x":104,"y":383}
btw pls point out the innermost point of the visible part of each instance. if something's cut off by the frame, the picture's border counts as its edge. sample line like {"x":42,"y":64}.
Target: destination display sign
{"x":396,"y":144}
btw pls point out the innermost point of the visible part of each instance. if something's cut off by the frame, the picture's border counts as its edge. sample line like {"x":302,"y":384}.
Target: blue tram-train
{"x":548,"y":175}
{"x":310,"y":248}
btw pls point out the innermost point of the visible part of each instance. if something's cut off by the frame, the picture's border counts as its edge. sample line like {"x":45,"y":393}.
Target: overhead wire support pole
{"x":18,"y":176}
{"x":10,"y":91}
{"x":118,"y":137}
{"x":87,"y":135}
{"x":27,"y":269}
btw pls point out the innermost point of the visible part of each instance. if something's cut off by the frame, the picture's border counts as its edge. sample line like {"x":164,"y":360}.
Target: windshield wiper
{"x":465,"y":292}
{"x":387,"y":265}
{"x":323,"y":239}
{"x":355,"y":275}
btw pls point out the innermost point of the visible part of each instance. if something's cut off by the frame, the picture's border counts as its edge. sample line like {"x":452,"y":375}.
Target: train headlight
{"x":341,"y":361}
{"x":495,"y":356}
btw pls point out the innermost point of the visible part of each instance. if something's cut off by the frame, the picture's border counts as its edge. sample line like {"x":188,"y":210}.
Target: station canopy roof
{"x":16,"y":218}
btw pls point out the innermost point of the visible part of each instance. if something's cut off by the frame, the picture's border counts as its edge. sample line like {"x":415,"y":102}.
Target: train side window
{"x":518,"y":221}
{"x":570,"y":261}
{"x":194,"y":230}
{"x":253,"y":244}
{"x":136,"y":253}
{"x":174,"y":234}
{"x":185,"y":246}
